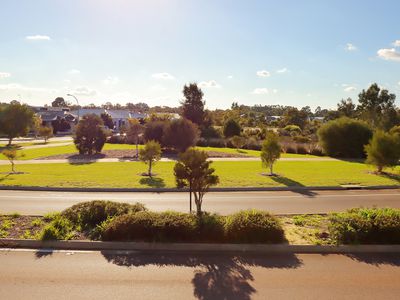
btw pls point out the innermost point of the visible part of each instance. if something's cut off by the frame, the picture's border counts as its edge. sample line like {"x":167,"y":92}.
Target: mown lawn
{"x":232,"y":174}
{"x":71,"y":149}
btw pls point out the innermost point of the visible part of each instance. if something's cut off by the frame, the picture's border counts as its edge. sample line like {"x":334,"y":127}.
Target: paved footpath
{"x":30,"y":274}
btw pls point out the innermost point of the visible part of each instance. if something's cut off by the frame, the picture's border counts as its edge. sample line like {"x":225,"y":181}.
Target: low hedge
{"x":366,"y":226}
{"x":90,"y":214}
{"x":244,"y":227}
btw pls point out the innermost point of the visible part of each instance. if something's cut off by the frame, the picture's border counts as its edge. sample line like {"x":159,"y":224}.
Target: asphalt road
{"x":39,"y":203}
{"x":96,"y":275}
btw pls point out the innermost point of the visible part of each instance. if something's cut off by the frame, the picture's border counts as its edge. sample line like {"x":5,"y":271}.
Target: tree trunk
{"x":12,"y":166}
{"x":150,"y":167}
{"x":197,"y":200}
{"x":380,"y":168}
{"x":190,"y":197}
{"x":271,"y":169}
{"x":137,"y":148}
{"x":9,"y":141}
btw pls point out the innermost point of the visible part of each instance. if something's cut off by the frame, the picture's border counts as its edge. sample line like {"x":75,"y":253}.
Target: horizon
{"x":250,"y":53}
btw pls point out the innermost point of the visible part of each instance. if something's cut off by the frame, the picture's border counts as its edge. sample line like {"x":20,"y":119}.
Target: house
{"x":59,"y":118}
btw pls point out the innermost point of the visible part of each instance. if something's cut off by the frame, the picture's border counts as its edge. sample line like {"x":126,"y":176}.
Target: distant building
{"x":59,"y":118}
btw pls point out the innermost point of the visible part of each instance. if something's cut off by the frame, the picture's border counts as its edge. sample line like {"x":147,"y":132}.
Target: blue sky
{"x":253,"y":52}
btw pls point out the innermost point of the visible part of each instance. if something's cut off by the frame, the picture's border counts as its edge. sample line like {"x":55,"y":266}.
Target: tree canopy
{"x":193,"y":104}
{"x":15,"y":120}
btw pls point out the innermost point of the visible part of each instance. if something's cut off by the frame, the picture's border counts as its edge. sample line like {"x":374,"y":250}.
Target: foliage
{"x":292,"y":129}
{"x":154,"y":130}
{"x":193,"y":104}
{"x":15,"y":119}
{"x":181,"y":134}
{"x":45,"y":132}
{"x":107,"y":120}
{"x":270,"y":151}
{"x":238,"y":141}
{"x":134,"y":129}
{"x":346,"y":108}
{"x":12,"y":154}
{"x":293,"y":116}
{"x":59,"y":228}
{"x":366,"y":226}
{"x":344,"y":137}
{"x":60,"y":124}
{"x":36,"y":124}
{"x":252,"y":226}
{"x":231,"y":128}
{"x":383,"y":150}
{"x":193,"y":169}
{"x":92,"y":213}
{"x":150,"y":154}
{"x":59,"y":102}
{"x":90,"y":135}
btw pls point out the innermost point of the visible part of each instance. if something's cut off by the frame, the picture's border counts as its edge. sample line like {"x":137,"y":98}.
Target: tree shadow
{"x":218,"y":276}
{"x":376,"y":259}
{"x":298,"y":187}
{"x":155,"y":182}
{"x":80,"y":159}
{"x":43,"y":253}
{"x":395,"y":177}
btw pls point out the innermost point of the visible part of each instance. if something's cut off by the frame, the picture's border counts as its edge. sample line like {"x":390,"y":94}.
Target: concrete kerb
{"x":195,"y":247}
{"x":221,"y":189}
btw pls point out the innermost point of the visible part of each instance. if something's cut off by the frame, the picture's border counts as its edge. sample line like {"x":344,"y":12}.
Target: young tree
{"x":36,"y":124}
{"x":12,"y":155}
{"x":193,"y":104}
{"x":238,"y":141}
{"x":45,"y":132}
{"x":154,"y":130}
{"x":383,"y":150}
{"x":231,"y":128}
{"x":181,"y":134}
{"x":270,"y":151}
{"x":150,"y":154}
{"x":90,"y":135}
{"x":15,"y":120}
{"x":133,"y":131}
{"x":193,"y":170}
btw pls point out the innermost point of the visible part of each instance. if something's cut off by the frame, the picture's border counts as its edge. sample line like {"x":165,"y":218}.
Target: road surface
{"x":26,"y":274}
{"x":39,"y":203}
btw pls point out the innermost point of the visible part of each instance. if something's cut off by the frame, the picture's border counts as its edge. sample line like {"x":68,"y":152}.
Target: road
{"x":28,"y":274}
{"x":39,"y":203}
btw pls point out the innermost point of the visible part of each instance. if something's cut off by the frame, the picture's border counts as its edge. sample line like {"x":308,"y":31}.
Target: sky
{"x":309,"y":52}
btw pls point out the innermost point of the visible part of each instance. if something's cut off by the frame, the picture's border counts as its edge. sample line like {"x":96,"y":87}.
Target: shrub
{"x":218,"y":143}
{"x":238,"y":141}
{"x":60,"y":228}
{"x":181,"y":134}
{"x":117,"y":139}
{"x":316,"y":152}
{"x":301,"y":149}
{"x":211,"y":133}
{"x":92,"y":213}
{"x":344,"y":137}
{"x":301,"y":139}
{"x":90,"y":135}
{"x":252,"y":226}
{"x":211,"y":228}
{"x":154,"y":131}
{"x":290,"y":149}
{"x":292,"y":129}
{"x":366,"y":226}
{"x":232,"y":128}
{"x":252,"y":144}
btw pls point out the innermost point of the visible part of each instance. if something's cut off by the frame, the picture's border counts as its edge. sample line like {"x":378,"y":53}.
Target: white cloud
{"x":20,"y":87}
{"x":74,"y":72}
{"x":38,"y":37}
{"x":4,"y":75}
{"x":260,"y":91}
{"x":111,"y":80}
{"x":283,"y":70}
{"x":350,"y":47}
{"x":396,"y":43}
{"x":398,"y":83}
{"x":349,"y":88}
{"x":230,"y":76}
{"x":164,"y":76}
{"x":389,"y":54}
{"x":84,"y":91}
{"x":209,"y":84}
{"x":263,"y":73}
{"x":275,"y":91}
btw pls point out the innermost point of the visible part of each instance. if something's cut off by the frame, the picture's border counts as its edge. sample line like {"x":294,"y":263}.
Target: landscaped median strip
{"x":196,"y":247}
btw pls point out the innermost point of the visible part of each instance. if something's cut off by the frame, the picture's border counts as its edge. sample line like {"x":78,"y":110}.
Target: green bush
{"x":89,"y":214}
{"x":210,"y":228}
{"x":252,"y":226}
{"x":366,"y":226}
{"x":60,"y":228}
{"x":344,"y":137}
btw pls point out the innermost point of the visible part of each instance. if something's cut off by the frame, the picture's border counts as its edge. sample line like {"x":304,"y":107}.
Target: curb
{"x":221,"y":189}
{"x":193,"y":247}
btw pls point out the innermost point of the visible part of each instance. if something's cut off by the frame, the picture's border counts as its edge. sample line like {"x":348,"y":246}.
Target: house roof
{"x":48,"y":116}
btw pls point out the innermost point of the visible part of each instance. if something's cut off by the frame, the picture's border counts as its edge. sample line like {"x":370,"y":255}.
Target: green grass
{"x":38,"y":142}
{"x":232,"y":174}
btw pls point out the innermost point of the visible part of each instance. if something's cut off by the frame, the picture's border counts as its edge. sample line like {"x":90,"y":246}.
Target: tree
{"x":383,"y":150}
{"x":377,"y":107}
{"x":133,"y":131}
{"x":36,"y":124}
{"x":193,"y":104}
{"x":231,"y":128}
{"x":60,"y":124}
{"x":150,"y":154}
{"x":181,"y":134}
{"x":193,"y":170}
{"x":293,"y":116}
{"x":59,"y":102}
{"x":346,"y":108}
{"x":270,"y":151}
{"x":238,"y":141}
{"x":12,"y":155}
{"x":45,"y":132}
{"x":344,"y":137}
{"x":107,"y":120}
{"x":15,"y":120}
{"x":90,"y":135}
{"x":154,"y":130}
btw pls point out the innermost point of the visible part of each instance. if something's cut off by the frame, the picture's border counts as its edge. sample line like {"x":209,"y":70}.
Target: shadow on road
{"x":43,"y":253}
{"x":292,"y":183}
{"x":217,"y":276}
{"x":392,"y":259}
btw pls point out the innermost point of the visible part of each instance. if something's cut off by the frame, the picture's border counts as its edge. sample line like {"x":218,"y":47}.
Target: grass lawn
{"x":70,"y":149}
{"x":33,"y":143}
{"x":232,"y":174}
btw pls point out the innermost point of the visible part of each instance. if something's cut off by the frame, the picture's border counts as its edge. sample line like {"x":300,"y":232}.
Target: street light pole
{"x":76,"y":99}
